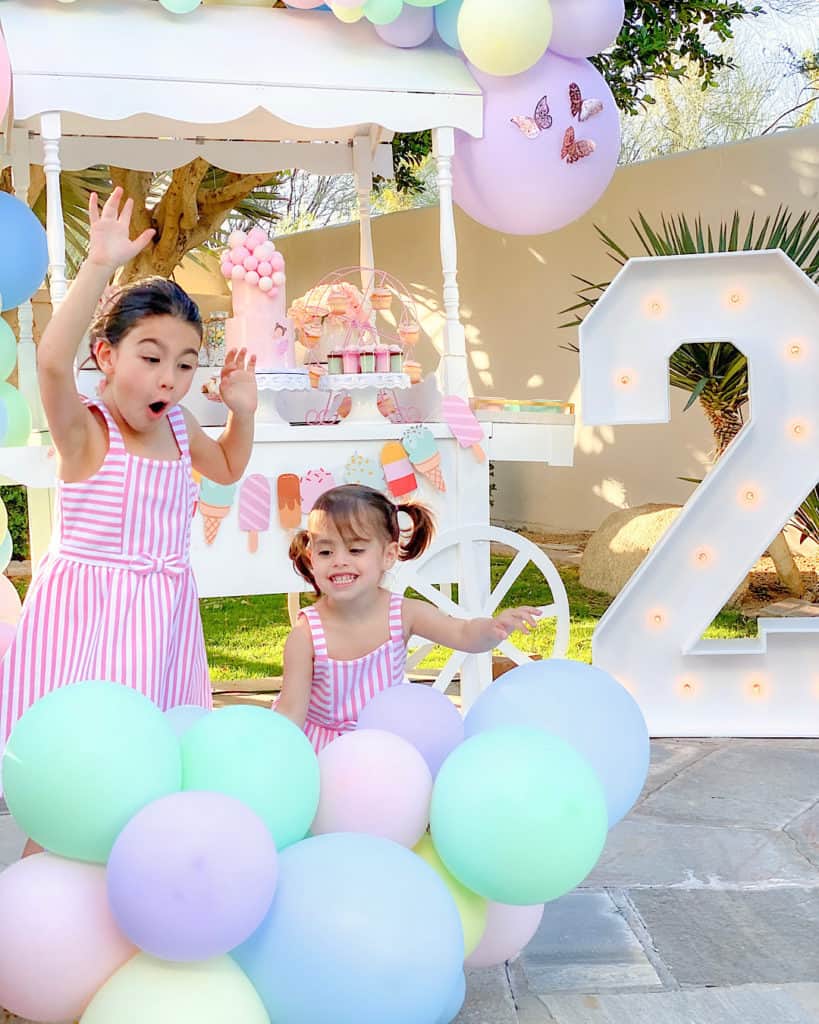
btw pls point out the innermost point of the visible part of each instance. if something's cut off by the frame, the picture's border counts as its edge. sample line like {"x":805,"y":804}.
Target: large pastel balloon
{"x":471,"y":906}
{"x":180,"y":6}
{"x":538,"y":172}
{"x":446,"y":22}
{"x":361,"y":932}
{"x":82,"y":761}
{"x":518,"y":816}
{"x":412,"y":27}
{"x":419,"y":714}
{"x":508,"y":930}
{"x":6,"y":636}
{"x":261,"y":758}
{"x":502,"y":38}
{"x":373,"y":782}
{"x":304,"y":5}
{"x":587,"y":708}
{"x":6,"y":551}
{"x":349,"y":15}
{"x":17,"y":415}
{"x":58,"y":940}
{"x":23,"y":253}
{"x":184,"y":717}
{"x":192,"y":875}
{"x":8,"y":349}
{"x":5,"y":78}
{"x":4,"y":519}
{"x":209,"y":992}
{"x":382,"y":12}
{"x":583,"y":28}
{"x":455,"y":1000}
{"x":11,"y":607}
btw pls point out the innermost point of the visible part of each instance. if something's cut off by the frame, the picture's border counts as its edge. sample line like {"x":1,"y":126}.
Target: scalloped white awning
{"x":131,"y":71}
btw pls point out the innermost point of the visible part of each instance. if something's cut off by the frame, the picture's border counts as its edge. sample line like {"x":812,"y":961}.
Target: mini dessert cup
{"x":338,"y":300}
{"x":316,"y":371}
{"x":396,"y":359}
{"x":381,"y":298}
{"x":409,"y":333}
{"x":413,"y":370}
{"x":367,"y":359}
{"x":311,"y":334}
{"x":335,"y":361}
{"x":351,"y":360}
{"x":382,"y":359}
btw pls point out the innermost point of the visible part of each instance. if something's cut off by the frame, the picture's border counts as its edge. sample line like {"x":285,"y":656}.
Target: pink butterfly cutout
{"x":531,"y":127}
{"x":575,"y":149}
{"x":582,"y":109}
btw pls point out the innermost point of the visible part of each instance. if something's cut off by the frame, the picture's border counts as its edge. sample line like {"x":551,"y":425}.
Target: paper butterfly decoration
{"x":582,"y":109}
{"x":531,"y":127}
{"x":574,"y":149}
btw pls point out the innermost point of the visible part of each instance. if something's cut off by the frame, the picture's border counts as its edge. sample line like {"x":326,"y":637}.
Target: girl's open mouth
{"x":157,"y":408}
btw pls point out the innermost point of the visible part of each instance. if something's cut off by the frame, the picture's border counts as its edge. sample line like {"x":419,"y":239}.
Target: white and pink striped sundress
{"x":340,"y":689}
{"x":115,"y":597}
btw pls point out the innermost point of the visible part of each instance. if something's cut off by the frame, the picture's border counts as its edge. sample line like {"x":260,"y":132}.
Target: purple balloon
{"x":582,"y":28}
{"x":412,"y":27}
{"x":192,"y":876}
{"x":549,"y":166}
{"x":420,"y":715}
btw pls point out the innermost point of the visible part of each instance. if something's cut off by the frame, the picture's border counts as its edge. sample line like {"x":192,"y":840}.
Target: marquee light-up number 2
{"x":651,"y":636}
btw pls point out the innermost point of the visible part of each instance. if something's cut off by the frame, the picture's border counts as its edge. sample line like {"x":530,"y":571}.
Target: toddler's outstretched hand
{"x":110,"y":243}
{"x":512,"y":619}
{"x":237,"y":384}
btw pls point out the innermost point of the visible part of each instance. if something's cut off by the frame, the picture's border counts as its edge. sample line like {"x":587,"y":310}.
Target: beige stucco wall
{"x":512,"y":291}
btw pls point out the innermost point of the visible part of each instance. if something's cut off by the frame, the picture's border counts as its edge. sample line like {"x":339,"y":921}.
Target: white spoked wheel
{"x":463,"y":556}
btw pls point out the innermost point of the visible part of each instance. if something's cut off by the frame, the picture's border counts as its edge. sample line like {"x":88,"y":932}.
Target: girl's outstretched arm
{"x":110,"y":246}
{"x":298,"y":674}
{"x":471,"y":635}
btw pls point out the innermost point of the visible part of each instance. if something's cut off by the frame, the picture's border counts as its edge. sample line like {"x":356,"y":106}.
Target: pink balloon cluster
{"x":252,"y":257}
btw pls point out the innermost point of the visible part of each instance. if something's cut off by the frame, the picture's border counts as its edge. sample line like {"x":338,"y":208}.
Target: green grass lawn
{"x":245,"y":635}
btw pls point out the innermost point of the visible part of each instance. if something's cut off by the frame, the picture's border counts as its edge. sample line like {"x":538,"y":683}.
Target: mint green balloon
{"x":424,"y":3}
{"x":382,"y":12}
{"x":518,"y":816}
{"x":82,"y":761}
{"x":8,"y":349}
{"x":18,"y":416}
{"x":259,"y":757}
{"x":6,"y":551}
{"x":180,"y":6}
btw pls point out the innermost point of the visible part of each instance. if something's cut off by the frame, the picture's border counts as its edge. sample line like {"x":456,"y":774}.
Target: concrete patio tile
{"x":12,"y":841}
{"x":804,"y":831}
{"x":584,"y":944}
{"x":641,"y":852}
{"x":670,"y":756}
{"x":751,"y":1005}
{"x":734,"y":938}
{"x":488,"y":998}
{"x":753,"y":783}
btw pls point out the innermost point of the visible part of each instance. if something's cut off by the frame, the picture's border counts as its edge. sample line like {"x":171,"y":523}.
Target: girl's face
{"x":151,"y":368}
{"x":347,"y":567}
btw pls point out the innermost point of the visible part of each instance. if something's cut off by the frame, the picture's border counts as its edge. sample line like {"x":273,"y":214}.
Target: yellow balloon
{"x":208,"y":992}
{"x":4,"y":520}
{"x":348,"y":15}
{"x":502,"y":38}
{"x":471,"y":906}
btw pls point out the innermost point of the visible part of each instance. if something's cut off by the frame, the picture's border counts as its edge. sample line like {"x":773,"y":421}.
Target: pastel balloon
{"x":24,"y":253}
{"x":471,"y":906}
{"x":58,"y":939}
{"x":504,"y":39}
{"x":17,"y":414}
{"x":276,"y":261}
{"x":227,"y":269}
{"x":277,"y":277}
{"x":349,"y":15}
{"x":8,"y":347}
{"x":209,"y":992}
{"x":382,"y":12}
{"x":373,"y":782}
{"x":250,"y":263}
{"x":446,"y":22}
{"x":5,"y":78}
{"x":4,"y":523}
{"x":252,"y":277}
{"x":583,"y":28}
{"x":304,"y":5}
{"x":184,"y":716}
{"x":412,"y":27}
{"x":236,"y":239}
{"x":539,"y":166}
{"x":11,"y":607}
{"x":6,"y":636}
{"x":265,"y":283}
{"x":5,"y":551}
{"x":455,"y":1000}
{"x":508,"y":930}
{"x":264,"y":269}
{"x":255,"y":236}
{"x":238,"y":272}
{"x":239,"y":254}
{"x":180,"y":6}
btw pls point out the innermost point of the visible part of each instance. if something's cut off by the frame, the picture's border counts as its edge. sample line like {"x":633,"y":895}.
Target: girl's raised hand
{"x":512,"y":619}
{"x":110,"y":242}
{"x":237,"y":384}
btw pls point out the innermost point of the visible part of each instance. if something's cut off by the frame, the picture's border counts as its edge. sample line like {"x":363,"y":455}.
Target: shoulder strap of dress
{"x":316,"y":631}
{"x":115,"y":442}
{"x":397,"y":617}
{"x":179,"y":428}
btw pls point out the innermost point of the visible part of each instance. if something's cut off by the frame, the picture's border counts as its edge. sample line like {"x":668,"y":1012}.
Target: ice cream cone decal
{"x":397,"y":469}
{"x":422,"y":449}
{"x":462,"y":422}
{"x":254,"y":508}
{"x":215,"y":501}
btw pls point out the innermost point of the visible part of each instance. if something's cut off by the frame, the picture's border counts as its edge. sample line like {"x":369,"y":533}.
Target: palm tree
{"x":716,"y":375}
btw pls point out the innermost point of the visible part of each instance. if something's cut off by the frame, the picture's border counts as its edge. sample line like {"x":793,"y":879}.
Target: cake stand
{"x":363,"y":389}
{"x":280,"y":380}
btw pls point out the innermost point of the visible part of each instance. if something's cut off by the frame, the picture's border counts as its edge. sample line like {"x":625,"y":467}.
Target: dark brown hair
{"x":354,"y":508}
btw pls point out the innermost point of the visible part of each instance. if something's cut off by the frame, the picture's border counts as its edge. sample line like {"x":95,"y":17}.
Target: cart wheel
{"x":464,"y":553}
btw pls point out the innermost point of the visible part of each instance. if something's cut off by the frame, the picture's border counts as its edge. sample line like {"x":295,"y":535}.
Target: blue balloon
{"x":23,"y":253}
{"x":361,"y":931}
{"x":582,"y":705}
{"x":455,"y":1001}
{"x":446,"y":22}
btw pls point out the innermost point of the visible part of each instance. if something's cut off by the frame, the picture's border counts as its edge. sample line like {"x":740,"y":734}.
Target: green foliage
{"x":14,"y":498}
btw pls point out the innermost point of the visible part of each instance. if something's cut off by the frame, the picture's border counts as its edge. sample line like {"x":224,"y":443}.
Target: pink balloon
{"x":265,"y":268}
{"x":536,"y":178}
{"x":250,"y":263}
{"x":277,"y":261}
{"x":237,"y":238}
{"x":5,"y":78}
{"x":582,"y":28}
{"x":239,"y":255}
{"x":11,"y":607}
{"x":58,"y":940}
{"x":255,"y":237}
{"x":238,"y":272}
{"x":265,"y":283}
{"x":277,"y":277}
{"x":373,"y":782}
{"x":227,"y":269}
{"x":6,"y":636}
{"x":252,"y":277}
{"x":508,"y":930}
{"x":412,"y":27}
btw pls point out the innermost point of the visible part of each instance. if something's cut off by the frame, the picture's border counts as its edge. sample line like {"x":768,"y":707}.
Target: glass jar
{"x":214,"y":328}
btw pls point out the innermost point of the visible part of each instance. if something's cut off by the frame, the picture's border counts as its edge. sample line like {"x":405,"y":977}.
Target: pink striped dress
{"x":340,"y":689}
{"x":115,"y":596}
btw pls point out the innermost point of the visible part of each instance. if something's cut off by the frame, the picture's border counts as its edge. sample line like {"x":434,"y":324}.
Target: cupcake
{"x":413,"y":371}
{"x":367,"y":359}
{"x":335,"y":361}
{"x":409,"y":333}
{"x":311,"y":334}
{"x":381,"y":298}
{"x":351,"y":360}
{"x":316,"y":371}
{"x":382,"y":359}
{"x":338,"y":299}
{"x":396,"y":359}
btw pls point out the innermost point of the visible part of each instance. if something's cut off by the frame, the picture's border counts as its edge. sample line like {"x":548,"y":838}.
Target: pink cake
{"x":259,"y":323}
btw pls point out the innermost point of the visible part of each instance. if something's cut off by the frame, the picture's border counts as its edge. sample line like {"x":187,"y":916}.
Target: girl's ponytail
{"x":416,"y":540}
{"x":300,"y":557}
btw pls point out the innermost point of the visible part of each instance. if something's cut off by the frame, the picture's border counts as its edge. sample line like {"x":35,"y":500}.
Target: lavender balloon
{"x":550,"y":148}
{"x":192,"y":876}
{"x":582,"y":28}
{"x":412,"y":27}
{"x":422,"y":716}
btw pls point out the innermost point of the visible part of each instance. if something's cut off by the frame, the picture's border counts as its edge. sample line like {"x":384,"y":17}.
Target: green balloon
{"x":382,"y":12}
{"x":180,"y":6}
{"x":262,"y":759}
{"x":518,"y":815}
{"x":82,"y":761}
{"x":8,"y":349}
{"x":18,"y":416}
{"x":424,"y":3}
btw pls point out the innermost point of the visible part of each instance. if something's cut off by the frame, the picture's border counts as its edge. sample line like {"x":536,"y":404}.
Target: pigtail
{"x":417,"y":539}
{"x":300,"y":557}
